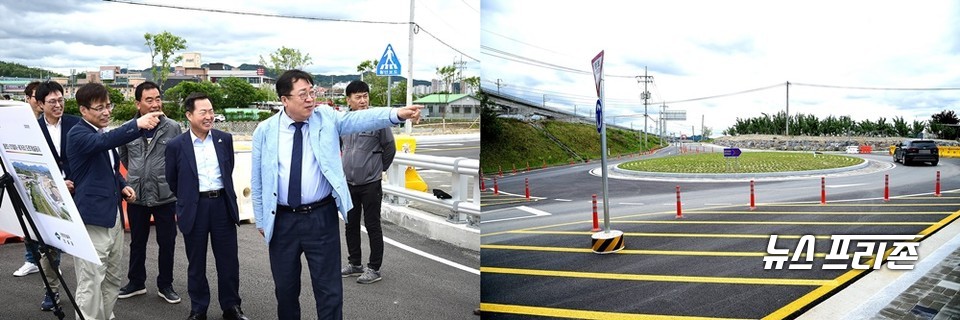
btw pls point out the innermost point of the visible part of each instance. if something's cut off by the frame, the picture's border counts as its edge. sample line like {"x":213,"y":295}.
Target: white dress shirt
{"x":313,"y":185}
{"x":208,"y":167}
{"x":54,"y":130}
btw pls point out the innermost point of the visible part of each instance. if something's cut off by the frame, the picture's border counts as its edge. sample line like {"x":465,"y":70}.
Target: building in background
{"x":450,"y":106}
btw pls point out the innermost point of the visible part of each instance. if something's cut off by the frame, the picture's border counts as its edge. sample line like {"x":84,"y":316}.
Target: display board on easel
{"x":28,"y":159}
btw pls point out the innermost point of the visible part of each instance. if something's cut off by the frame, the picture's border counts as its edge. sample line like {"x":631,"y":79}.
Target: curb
{"x":738,"y":176}
{"x":431,"y":226}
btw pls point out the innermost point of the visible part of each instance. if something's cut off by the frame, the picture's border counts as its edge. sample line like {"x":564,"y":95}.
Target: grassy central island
{"x":748,"y":162}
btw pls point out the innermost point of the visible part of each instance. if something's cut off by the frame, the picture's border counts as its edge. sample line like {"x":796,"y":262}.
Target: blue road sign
{"x":731,"y":152}
{"x":389,"y":65}
{"x":599,"y":115}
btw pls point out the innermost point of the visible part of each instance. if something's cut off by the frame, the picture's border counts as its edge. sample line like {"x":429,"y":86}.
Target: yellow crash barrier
{"x":407,"y":144}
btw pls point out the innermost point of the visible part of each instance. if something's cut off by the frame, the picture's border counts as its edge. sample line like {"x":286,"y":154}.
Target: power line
{"x":257,"y":14}
{"x":542,"y":64}
{"x":444,"y":43}
{"x":722,"y":95}
{"x":469,"y":6}
{"x":872,"y":88}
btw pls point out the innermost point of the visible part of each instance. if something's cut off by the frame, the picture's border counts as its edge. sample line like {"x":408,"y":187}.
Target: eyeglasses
{"x":102,"y":108}
{"x":54,"y":102}
{"x":303,"y":95}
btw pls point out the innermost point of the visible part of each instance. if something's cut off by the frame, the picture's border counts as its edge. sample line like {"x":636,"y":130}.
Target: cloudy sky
{"x":697,"y":49}
{"x":61,"y":35}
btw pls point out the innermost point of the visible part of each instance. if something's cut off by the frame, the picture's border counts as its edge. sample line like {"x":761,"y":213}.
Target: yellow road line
{"x":677,"y":235}
{"x":646,"y":252}
{"x":825,"y":223}
{"x":580,"y":314}
{"x":818,"y":293}
{"x":653,"y":277}
{"x":824,"y":213}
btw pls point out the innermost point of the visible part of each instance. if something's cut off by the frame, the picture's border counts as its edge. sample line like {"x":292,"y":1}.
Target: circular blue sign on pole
{"x":599,"y":115}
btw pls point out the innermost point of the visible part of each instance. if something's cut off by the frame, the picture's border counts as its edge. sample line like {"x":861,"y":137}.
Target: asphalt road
{"x":537,"y":259}
{"x":414,"y":286}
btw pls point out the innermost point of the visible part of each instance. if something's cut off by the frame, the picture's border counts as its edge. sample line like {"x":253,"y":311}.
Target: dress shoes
{"x":234,"y":313}
{"x":197,"y":316}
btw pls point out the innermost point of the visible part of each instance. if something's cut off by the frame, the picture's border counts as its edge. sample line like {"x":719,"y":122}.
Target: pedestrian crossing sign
{"x":389,"y":65}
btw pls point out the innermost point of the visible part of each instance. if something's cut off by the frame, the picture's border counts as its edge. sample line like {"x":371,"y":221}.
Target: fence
{"x":464,"y":206}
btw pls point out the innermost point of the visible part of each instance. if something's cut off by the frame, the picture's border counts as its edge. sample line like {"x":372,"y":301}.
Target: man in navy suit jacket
{"x":199,"y":169}
{"x":95,"y":170}
{"x":55,"y":126}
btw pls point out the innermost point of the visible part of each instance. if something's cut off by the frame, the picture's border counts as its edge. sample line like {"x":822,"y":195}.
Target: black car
{"x":916,"y":151}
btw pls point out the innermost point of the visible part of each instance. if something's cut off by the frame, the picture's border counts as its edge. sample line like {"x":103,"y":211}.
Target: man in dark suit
{"x":95,"y":170}
{"x":199,"y":169}
{"x":55,"y":126}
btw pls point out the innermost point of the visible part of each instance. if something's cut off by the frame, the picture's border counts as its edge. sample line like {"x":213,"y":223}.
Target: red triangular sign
{"x":598,"y":70}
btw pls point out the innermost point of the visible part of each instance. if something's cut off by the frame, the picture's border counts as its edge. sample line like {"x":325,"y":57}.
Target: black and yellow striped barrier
{"x":605,"y":242}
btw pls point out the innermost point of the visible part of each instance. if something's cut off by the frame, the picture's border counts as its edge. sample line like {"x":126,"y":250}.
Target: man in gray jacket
{"x":365,"y":156}
{"x":144,"y":159}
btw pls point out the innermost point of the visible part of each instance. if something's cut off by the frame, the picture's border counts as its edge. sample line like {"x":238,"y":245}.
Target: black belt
{"x":211,"y":194}
{"x":306,"y":208}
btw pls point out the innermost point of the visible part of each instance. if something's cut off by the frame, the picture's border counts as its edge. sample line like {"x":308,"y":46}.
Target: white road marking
{"x":533,"y":211}
{"x":564,"y":200}
{"x":717,"y":204}
{"x":845,"y":185}
{"x":632,"y":203}
{"x":427,"y":255}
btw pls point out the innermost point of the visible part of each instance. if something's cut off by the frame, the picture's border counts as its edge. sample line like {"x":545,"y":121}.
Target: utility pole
{"x":408,"y":126}
{"x":788,"y":108}
{"x":645,"y":95}
{"x":498,"y":86}
{"x":460,"y":65}
{"x":663,"y":123}
{"x":703,"y":126}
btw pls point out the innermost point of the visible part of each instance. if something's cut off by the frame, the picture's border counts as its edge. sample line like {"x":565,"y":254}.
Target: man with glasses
{"x":95,"y":170}
{"x":35,"y":104}
{"x":144,"y":159}
{"x":30,"y":262}
{"x":365,"y":156}
{"x":298,"y":187}
{"x":55,"y":125}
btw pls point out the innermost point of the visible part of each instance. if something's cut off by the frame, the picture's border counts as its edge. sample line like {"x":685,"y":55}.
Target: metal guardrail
{"x":463,"y":207}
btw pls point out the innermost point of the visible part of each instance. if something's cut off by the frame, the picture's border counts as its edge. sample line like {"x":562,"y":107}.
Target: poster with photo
{"x":28,"y":159}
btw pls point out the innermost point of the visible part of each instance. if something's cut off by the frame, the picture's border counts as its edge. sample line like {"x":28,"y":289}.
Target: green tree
{"x":286,"y":59}
{"x":116,"y":97}
{"x":900,"y":127}
{"x":473,"y":83}
{"x":237,"y":93}
{"x":916,"y":128}
{"x":163,"y":44}
{"x":939,"y":124}
{"x":180,"y":92}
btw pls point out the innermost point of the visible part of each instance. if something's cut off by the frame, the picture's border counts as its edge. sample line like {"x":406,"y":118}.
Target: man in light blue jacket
{"x":299,"y":187}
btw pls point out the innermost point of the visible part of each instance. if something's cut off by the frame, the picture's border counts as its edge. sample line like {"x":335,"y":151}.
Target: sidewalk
{"x":934,"y":296}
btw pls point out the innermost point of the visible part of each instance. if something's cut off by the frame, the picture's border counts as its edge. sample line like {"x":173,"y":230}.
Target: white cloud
{"x":104,"y":33}
{"x":704,"y":48}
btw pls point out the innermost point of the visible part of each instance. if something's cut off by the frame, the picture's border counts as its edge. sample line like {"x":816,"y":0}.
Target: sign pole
{"x":607,"y":241}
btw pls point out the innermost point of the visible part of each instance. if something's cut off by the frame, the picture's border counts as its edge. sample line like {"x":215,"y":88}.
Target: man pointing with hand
{"x":98,"y":185}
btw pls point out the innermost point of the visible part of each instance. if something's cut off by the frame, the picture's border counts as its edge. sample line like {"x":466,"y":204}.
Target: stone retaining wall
{"x":804,"y":143}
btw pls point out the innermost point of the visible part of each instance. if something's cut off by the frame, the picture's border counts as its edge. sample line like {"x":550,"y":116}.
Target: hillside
{"x":8,"y":69}
{"x":550,"y":143}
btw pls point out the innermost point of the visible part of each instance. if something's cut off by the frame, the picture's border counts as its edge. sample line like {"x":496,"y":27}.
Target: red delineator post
{"x":679,"y":206}
{"x":936,"y":192}
{"x":500,"y":170}
{"x":514,"y":169}
{"x":496,"y":189}
{"x":886,"y":188}
{"x":528,"y":166}
{"x":753,"y":204}
{"x":596,"y":221}
{"x":483,"y":186}
{"x":526,"y":187}
{"x":823,"y":190}
{"x":544,"y":164}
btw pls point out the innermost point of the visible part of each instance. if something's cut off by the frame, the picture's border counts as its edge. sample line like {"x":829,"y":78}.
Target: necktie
{"x":296,"y":162}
